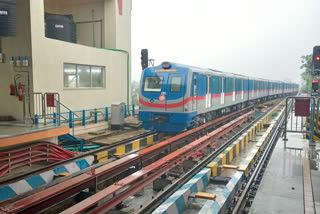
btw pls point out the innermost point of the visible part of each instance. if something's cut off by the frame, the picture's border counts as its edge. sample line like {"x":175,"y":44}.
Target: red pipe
{"x":32,"y":154}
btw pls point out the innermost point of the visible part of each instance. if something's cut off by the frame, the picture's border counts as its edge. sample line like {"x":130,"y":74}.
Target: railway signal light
{"x":144,"y":58}
{"x":316,"y":60}
{"x":315,"y":87}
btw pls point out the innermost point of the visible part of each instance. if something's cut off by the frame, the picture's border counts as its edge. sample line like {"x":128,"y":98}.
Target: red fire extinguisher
{"x":12,"y":90}
{"x":20,"y":92}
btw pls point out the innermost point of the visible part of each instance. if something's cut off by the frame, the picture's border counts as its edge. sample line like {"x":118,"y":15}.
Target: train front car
{"x":164,"y":101}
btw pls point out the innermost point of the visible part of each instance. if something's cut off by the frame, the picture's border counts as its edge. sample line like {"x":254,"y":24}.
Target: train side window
{"x":239,"y":85}
{"x":175,"y":85}
{"x":217,"y":83}
{"x":195,"y":86}
{"x":210,"y":85}
{"x":153,"y":84}
{"x":229,"y":85}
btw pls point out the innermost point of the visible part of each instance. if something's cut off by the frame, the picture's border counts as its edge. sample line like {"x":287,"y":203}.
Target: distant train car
{"x":176,"y":97}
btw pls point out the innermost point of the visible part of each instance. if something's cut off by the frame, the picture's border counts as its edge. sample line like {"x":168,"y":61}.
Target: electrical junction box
{"x":117,"y":115}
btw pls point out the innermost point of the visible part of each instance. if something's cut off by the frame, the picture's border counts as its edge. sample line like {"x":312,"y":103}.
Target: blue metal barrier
{"x":97,"y":114}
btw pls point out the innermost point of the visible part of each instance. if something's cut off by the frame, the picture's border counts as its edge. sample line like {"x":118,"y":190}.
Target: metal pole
{"x":83,"y":117}
{"x":285,"y":123}
{"x":70,"y":119}
{"x":95,"y":116}
{"x":107,"y":113}
{"x":58,"y":110}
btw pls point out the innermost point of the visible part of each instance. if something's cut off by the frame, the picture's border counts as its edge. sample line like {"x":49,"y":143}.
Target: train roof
{"x":209,"y":71}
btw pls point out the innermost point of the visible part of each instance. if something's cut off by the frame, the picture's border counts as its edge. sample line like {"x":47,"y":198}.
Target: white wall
{"x":49,"y":56}
{"x":15,"y":46}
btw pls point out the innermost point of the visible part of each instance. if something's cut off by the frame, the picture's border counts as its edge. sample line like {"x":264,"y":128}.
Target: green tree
{"x":307,"y":74}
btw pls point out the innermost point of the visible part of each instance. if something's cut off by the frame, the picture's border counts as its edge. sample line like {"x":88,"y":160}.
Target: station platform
{"x":16,"y":133}
{"x":290,"y":184}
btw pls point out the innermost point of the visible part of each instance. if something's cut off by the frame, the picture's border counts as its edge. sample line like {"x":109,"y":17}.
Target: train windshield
{"x":153,"y":84}
{"x":175,"y":85}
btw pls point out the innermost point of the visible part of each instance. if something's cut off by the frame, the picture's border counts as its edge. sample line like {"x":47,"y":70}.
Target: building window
{"x":83,"y":76}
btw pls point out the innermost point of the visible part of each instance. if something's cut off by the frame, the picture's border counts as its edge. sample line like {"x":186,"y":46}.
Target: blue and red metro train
{"x":176,"y":97}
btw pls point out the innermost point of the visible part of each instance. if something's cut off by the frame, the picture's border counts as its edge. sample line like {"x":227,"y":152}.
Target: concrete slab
{"x":14,"y":128}
{"x":315,"y":176}
{"x":281,"y":188}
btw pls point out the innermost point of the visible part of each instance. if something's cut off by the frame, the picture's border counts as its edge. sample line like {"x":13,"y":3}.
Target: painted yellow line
{"x":121,"y":150}
{"x":230,"y":152}
{"x":102,"y":156}
{"x":236,"y":146}
{"x":223,"y":159}
{"x":150,"y":140}
{"x":136,"y":145}
{"x":214,"y":168}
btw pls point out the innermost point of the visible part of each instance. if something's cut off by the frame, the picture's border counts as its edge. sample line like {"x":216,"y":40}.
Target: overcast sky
{"x":264,"y":38}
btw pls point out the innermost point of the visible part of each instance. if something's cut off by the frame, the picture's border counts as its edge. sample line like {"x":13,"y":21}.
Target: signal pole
{"x":316,"y":71}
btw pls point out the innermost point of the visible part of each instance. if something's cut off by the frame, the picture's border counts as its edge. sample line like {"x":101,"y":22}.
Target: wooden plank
{"x":230,"y":167}
{"x":205,"y":195}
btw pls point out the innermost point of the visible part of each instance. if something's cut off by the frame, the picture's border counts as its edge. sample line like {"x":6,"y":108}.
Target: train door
{"x":194,"y":88}
{"x":253,"y":88}
{"x":242,"y":89}
{"x":222,"y":90}
{"x":234,"y":90}
{"x":208,"y":95}
{"x":175,"y":91}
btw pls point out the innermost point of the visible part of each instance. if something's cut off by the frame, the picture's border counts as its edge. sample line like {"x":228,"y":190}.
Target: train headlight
{"x":166,"y":65}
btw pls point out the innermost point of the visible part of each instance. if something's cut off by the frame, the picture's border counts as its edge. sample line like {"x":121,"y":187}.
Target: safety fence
{"x":83,"y":117}
{"x":48,"y":109}
{"x":301,"y":116}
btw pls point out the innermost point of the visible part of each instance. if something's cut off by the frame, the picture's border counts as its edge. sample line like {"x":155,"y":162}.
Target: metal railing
{"x":296,"y":121}
{"x":83,"y":117}
{"x":48,"y":109}
{"x":32,"y":106}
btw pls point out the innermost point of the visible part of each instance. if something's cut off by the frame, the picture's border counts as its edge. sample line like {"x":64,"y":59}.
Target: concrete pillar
{"x":110,"y":13}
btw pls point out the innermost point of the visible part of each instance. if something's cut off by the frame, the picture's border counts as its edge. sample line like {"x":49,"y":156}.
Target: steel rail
{"x":60,"y":191}
{"x":160,"y":198}
{"x":134,"y":182}
{"x":267,"y":151}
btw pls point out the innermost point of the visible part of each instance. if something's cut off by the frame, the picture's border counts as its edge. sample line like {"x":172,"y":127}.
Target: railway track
{"x":106,"y":175}
{"x":150,"y":206}
{"x":119,"y":191}
{"x":136,"y":181}
{"x":243,"y":160}
{"x":37,"y":171}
